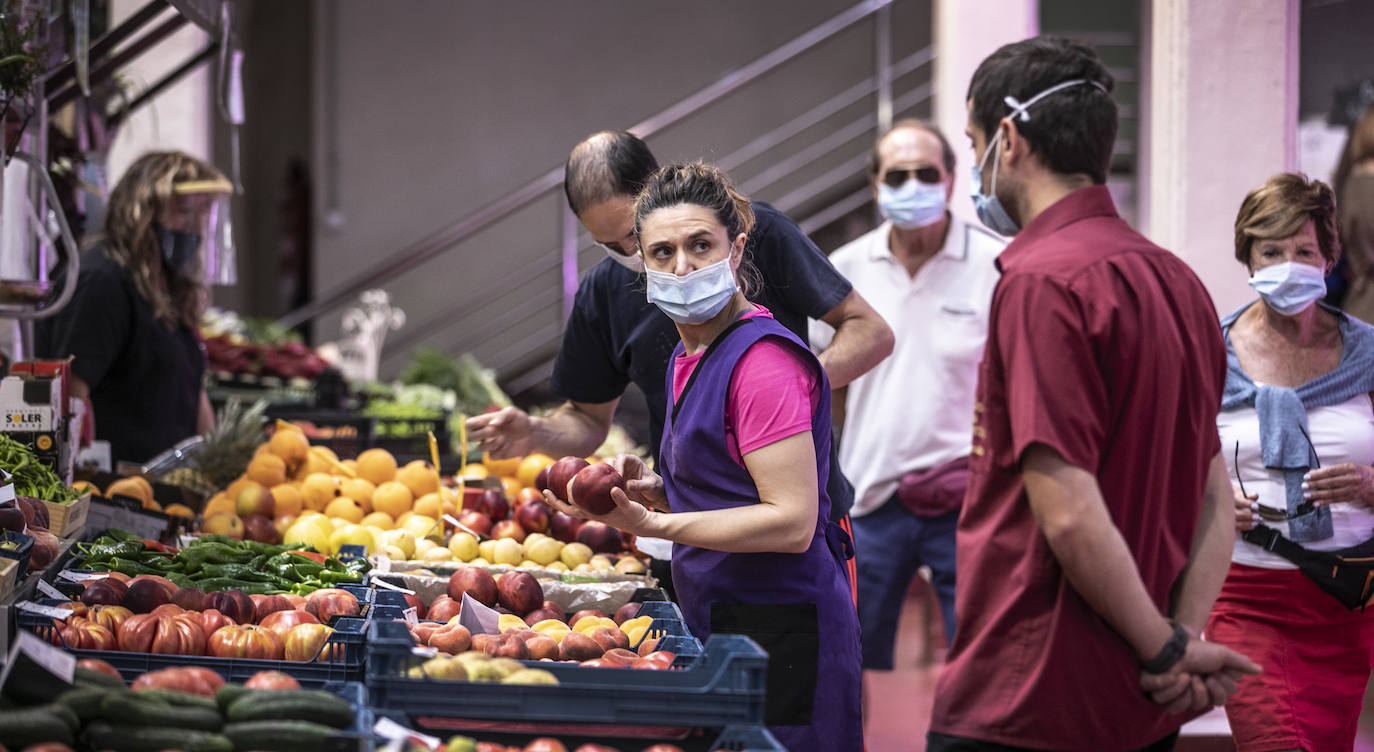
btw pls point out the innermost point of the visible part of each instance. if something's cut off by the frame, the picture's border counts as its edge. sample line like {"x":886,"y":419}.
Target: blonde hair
{"x":1280,"y":208}
{"x":129,"y":239}
{"x":1362,"y":137}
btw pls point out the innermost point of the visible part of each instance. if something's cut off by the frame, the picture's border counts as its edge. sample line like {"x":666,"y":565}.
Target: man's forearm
{"x":860,"y":344}
{"x":1210,"y":558}
{"x":567,"y":431}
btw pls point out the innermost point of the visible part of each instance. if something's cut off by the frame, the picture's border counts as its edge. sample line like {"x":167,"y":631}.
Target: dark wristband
{"x":1171,"y":653}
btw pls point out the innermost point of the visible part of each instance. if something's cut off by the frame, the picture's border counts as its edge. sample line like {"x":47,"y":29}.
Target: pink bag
{"x":935,"y":492}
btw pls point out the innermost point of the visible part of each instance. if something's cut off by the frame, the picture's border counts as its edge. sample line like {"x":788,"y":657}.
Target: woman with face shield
{"x":743,"y":463}
{"x":1297,"y":429}
{"x":131,"y":326}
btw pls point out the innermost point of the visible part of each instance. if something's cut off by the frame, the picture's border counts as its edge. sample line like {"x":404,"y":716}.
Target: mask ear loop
{"x":1021,"y":109}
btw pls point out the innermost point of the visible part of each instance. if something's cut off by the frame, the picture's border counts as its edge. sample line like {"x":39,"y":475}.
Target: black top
{"x":145,"y":376}
{"x":616,"y":336}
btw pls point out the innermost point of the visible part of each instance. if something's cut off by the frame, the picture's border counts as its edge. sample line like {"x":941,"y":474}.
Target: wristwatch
{"x":1171,"y":653}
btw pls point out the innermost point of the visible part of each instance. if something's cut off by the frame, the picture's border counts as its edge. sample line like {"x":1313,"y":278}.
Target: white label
{"x":389,"y":729}
{"x":55,"y":661}
{"x":50,"y":591}
{"x":389,"y":586}
{"x":71,"y":576}
{"x":424,"y":651}
{"x":477,"y":617}
{"x":34,"y":608}
{"x":411,"y":615}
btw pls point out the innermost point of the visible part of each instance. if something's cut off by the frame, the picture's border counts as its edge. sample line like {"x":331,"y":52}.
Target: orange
{"x":359,"y":490}
{"x":290,"y":446}
{"x":315,"y":461}
{"x":419,"y":477}
{"x":344,"y":508}
{"x":377,"y":466}
{"x":511,"y":486}
{"x":530,"y":467}
{"x":232,"y":491}
{"x":428,"y":505}
{"x":318,"y":489}
{"x":267,"y":470}
{"x":220,"y":503}
{"x":475,"y":471}
{"x":379,"y":519}
{"x":392,"y":497}
{"x":501,"y":467}
{"x":288,"y":498}
{"x":350,"y":464}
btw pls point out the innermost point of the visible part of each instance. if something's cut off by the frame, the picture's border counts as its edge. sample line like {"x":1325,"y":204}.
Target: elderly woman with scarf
{"x":1297,"y":424}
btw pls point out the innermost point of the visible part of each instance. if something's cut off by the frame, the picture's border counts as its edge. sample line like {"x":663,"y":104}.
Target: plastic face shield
{"x":213,"y":224}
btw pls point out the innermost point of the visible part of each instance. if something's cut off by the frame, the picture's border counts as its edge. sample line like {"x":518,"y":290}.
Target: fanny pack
{"x":937,"y":491}
{"x":1346,"y":574}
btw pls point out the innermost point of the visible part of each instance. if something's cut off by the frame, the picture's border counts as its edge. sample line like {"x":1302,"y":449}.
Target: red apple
{"x":519,"y":592}
{"x":508,"y":529}
{"x":600,"y":537}
{"x":533,"y":516}
{"x":414,"y":601}
{"x":625,"y":612}
{"x":591,"y":487}
{"x":495,"y":505}
{"x":541,"y":481}
{"x":564,"y":527}
{"x":476,"y":582}
{"x":561,"y":474}
{"x":444,"y":608}
{"x":475,"y":521}
{"x":259,"y":528}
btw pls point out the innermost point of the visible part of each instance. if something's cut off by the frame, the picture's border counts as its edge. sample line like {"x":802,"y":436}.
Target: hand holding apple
{"x":641,"y":484}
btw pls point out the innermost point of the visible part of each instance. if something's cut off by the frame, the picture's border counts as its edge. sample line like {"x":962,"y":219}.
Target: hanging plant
{"x":21,"y":56}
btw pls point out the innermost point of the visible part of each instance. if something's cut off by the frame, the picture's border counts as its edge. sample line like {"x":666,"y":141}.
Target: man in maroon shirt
{"x":1097,"y":527}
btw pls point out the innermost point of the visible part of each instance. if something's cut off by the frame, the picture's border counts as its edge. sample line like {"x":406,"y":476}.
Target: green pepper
{"x":107,"y":551}
{"x":130,"y":567}
{"x":121,"y":535}
{"x":346,"y":576}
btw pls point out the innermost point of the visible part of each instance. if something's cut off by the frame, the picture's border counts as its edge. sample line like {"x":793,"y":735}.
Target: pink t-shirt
{"x":773,"y":393}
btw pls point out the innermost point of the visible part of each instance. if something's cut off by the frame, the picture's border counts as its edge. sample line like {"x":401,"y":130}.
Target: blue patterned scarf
{"x":1282,"y":412}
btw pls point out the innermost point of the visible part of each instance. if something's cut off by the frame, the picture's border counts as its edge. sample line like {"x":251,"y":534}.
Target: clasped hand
{"x":1207,"y":675}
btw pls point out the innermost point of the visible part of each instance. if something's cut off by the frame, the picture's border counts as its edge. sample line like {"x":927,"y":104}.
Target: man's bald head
{"x":605,"y":165}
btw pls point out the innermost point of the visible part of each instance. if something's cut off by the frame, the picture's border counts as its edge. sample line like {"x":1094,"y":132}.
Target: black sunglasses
{"x":897,"y":178}
{"x":1274,"y":514}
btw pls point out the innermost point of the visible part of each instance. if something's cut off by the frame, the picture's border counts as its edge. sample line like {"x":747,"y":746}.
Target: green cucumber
{"x":134,"y":708}
{"x":292,"y":705}
{"x":85,"y":701}
{"x":67,"y":715}
{"x":227,"y":694}
{"x":179,"y":699}
{"x":20,"y":728}
{"x":98,"y":678}
{"x":278,"y":736}
{"x":134,"y":738}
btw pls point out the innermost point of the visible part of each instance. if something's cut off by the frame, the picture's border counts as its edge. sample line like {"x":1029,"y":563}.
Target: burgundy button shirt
{"x":1106,"y":348}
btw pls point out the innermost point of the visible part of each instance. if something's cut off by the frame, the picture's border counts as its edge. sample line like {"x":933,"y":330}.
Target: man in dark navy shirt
{"x":615,"y":336}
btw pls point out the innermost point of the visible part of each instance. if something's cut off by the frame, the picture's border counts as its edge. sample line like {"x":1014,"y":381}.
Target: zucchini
{"x":176,"y":698}
{"x":278,"y":736}
{"x":292,"y":705}
{"x":132,"y":708}
{"x":225,"y":695}
{"x":98,"y":678}
{"x":132,"y":738}
{"x":21,"y":728}
{"x":85,"y":701}
{"x":67,"y":715}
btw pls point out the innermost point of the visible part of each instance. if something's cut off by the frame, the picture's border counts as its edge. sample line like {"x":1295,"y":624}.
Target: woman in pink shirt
{"x":744,"y":462}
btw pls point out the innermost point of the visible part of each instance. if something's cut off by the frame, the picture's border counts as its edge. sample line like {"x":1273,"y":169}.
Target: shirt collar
{"x":955,"y":247}
{"x":1084,"y":203}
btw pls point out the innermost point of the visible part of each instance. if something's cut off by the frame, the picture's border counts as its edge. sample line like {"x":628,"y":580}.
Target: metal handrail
{"x":416,"y":331}
{"x":436,"y":243}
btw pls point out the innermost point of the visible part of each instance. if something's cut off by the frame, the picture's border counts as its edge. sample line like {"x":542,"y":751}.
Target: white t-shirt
{"x":1340,"y":433}
{"x":914,"y":410}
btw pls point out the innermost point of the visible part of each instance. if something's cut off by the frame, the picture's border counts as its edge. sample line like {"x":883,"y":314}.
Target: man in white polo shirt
{"x":908,"y":422}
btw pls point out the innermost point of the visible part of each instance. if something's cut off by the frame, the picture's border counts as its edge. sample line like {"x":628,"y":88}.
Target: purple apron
{"x":798,"y":607}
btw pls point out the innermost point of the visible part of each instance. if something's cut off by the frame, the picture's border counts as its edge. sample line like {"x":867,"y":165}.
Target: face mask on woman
{"x":695,"y":298}
{"x":1290,"y":287}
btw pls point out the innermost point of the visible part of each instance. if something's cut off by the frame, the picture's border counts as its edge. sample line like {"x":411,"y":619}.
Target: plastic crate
{"x":348,"y":636}
{"x":723,"y":686}
{"x":363,"y":718}
{"x":737,"y":738}
{"x":365,"y":594}
{"x":20,"y":554}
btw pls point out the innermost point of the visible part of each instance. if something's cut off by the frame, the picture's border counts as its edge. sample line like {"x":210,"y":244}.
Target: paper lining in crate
{"x":66,"y":520}
{"x":607,"y":593}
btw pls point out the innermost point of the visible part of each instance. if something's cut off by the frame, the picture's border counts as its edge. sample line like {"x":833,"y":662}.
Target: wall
{"x":422,"y":116}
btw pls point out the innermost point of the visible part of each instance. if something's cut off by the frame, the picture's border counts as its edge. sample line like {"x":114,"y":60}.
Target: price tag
{"x":411,"y":615}
{"x":389,"y":729}
{"x":387,"y":585}
{"x":71,"y":576}
{"x":424,"y":651}
{"x":60,"y":664}
{"x":50,"y":591}
{"x":477,"y":617}
{"x":35,"y":608}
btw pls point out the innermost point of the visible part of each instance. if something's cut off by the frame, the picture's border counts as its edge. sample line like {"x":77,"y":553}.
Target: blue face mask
{"x":989,"y":208}
{"x":1289,"y":288}
{"x":913,"y":205}
{"x":179,"y":251}
{"x":695,"y":298}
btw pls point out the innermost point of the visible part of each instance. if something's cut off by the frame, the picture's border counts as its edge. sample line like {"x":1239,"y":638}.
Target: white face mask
{"x":634,"y":262}
{"x":695,"y":298}
{"x":1289,"y":288}
{"x":913,"y":205}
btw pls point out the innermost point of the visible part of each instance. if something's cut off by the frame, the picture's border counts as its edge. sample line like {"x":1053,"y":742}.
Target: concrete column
{"x":1222,"y":119}
{"x":965,"y":33}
